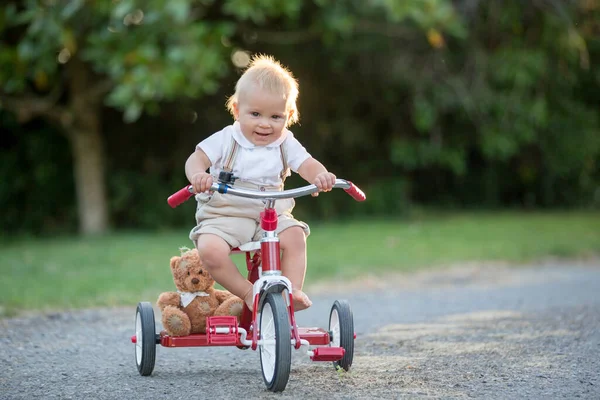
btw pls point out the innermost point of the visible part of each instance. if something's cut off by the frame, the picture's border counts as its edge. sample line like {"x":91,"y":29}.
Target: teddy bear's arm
{"x":222,"y":295}
{"x":168,"y":299}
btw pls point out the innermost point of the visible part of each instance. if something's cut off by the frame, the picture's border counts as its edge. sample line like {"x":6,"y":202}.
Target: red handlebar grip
{"x":355,"y":192}
{"x":179,"y":197}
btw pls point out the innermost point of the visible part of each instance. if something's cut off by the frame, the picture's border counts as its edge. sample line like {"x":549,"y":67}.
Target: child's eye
{"x":254,"y":114}
{"x":276,"y":116}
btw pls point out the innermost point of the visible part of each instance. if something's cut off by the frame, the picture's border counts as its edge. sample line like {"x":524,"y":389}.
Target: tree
{"x":65,"y":60}
{"x":473,"y":95}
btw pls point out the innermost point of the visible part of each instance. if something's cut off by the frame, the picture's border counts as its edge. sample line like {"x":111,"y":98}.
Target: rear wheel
{"x":276,"y":342}
{"x":145,"y":335}
{"x":341,"y":329}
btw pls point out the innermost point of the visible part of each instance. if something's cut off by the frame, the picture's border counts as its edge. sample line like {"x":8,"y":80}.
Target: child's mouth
{"x":262,"y":134}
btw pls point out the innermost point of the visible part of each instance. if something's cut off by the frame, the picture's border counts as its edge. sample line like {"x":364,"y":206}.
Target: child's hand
{"x":324,"y":181}
{"x":201,"y":181}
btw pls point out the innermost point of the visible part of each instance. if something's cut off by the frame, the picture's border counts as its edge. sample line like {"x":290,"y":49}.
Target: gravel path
{"x":487,"y":332}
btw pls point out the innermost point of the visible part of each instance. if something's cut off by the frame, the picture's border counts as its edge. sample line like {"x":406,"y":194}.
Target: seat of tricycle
{"x":250,"y":246}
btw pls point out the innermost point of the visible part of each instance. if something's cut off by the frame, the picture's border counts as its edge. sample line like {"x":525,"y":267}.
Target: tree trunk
{"x":85,"y":135}
{"x":90,"y":183}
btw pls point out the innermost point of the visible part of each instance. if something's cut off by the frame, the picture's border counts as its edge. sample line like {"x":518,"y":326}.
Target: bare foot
{"x":301,"y":300}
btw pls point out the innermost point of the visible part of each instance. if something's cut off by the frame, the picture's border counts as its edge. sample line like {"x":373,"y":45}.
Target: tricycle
{"x":270,"y":327}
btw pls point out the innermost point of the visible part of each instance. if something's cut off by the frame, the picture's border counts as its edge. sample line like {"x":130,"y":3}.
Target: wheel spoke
{"x":138,"y":339}
{"x":335,"y":328}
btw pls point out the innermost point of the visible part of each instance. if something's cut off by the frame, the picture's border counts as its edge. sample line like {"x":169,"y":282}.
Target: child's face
{"x":262,"y":116}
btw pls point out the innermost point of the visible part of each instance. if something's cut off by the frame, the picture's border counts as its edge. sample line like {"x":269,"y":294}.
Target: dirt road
{"x":486,"y":332}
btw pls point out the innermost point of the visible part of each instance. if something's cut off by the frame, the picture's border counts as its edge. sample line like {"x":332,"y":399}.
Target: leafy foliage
{"x":451,"y":103}
{"x":165,"y":52}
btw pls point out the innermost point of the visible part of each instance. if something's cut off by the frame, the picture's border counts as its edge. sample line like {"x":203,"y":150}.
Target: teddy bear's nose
{"x":195,"y":281}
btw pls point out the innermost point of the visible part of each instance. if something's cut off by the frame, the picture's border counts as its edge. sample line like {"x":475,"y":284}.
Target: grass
{"x":124,"y":268}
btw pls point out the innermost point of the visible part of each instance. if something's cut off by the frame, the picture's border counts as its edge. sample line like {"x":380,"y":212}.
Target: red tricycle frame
{"x":271,"y":325}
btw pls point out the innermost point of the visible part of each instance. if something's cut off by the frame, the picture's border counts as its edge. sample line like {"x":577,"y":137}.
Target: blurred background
{"x":464,"y":104}
{"x":433,"y":107}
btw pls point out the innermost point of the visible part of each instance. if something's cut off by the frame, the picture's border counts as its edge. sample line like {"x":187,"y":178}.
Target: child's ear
{"x":236,"y":110}
{"x":291,"y":114}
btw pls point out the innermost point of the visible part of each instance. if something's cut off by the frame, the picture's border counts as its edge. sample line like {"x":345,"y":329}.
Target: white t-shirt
{"x":260,"y":165}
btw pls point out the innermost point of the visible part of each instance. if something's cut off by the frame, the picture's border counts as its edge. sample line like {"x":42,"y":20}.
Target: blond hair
{"x":267,"y":73}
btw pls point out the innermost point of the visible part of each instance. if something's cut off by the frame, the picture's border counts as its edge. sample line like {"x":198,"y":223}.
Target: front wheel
{"x":145,"y":343}
{"x":276,"y":342}
{"x":341,"y":328}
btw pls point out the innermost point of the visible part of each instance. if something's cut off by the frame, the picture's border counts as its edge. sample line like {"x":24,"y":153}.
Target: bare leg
{"x":214,"y":253}
{"x":293,"y":263}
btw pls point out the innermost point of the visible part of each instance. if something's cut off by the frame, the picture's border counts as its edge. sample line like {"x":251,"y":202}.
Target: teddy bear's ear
{"x":178,"y":262}
{"x":174,"y":261}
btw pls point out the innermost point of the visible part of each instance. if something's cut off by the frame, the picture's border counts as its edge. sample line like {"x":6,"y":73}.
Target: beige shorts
{"x":237,"y":219}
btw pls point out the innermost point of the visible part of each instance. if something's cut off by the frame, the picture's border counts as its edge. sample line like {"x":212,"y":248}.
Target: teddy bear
{"x":185,"y":311}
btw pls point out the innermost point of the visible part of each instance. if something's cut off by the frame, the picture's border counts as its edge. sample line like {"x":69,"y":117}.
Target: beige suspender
{"x":228,"y":165}
{"x":229,"y":161}
{"x":286,"y":168}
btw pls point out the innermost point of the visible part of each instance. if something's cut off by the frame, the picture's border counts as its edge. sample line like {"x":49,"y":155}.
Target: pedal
{"x":221,"y":330}
{"x":328,"y":354}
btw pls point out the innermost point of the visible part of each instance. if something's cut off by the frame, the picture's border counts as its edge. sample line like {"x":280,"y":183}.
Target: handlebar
{"x":184,"y":194}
